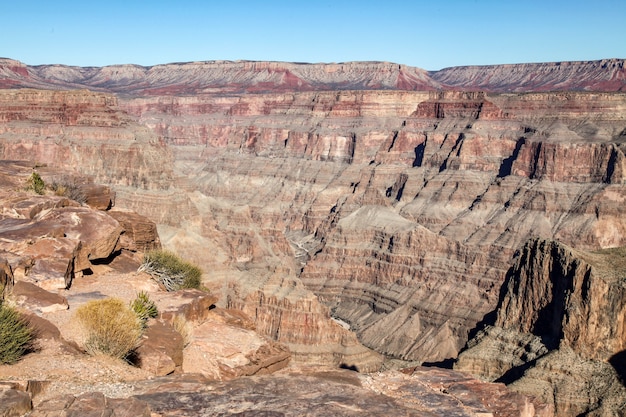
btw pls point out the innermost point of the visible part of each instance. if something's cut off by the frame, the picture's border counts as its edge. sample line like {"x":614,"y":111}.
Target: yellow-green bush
{"x":170,"y":270}
{"x":144,"y":308}
{"x":110,"y":327}
{"x":16,"y":335}
{"x":35,"y":183}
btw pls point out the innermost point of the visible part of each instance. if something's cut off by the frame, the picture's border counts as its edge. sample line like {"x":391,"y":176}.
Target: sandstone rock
{"x":222,"y":351}
{"x":193,"y":305}
{"x":6,"y":278}
{"x":161,"y":349}
{"x":36,"y":299}
{"x":322,"y":392}
{"x":99,"y":197}
{"x":92,"y":404}
{"x":97,"y":232}
{"x":140,"y":233}
{"x":14,"y":403}
{"x":54,"y":262}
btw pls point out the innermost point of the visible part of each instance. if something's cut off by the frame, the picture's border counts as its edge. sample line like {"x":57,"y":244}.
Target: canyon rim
{"x":370,"y":215}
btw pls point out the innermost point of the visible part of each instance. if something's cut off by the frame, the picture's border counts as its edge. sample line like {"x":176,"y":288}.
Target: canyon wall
{"x":559,"y":332}
{"x":346,"y":223}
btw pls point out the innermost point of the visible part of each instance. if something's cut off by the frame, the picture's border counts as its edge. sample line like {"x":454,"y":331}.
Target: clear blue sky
{"x":428,"y":34}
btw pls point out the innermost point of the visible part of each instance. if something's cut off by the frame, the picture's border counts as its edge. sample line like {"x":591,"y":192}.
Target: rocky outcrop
{"x":562,"y":310}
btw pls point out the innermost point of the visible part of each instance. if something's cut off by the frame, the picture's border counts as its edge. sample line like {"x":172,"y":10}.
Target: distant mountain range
{"x":259,"y":76}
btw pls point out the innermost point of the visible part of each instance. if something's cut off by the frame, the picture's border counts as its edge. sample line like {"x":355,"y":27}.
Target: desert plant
{"x":70,"y":188}
{"x":144,"y":308}
{"x":184,"y":328}
{"x":35,"y":183}
{"x":16,"y":335}
{"x":171,"y":271}
{"x":110,"y":327}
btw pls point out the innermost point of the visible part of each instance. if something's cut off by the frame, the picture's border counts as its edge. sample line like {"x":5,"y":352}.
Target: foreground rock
{"x":323,"y":392}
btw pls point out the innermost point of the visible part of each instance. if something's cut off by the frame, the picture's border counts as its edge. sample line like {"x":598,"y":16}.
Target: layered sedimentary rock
{"x":604,"y":75}
{"x":248,"y":76}
{"x":400,"y":207}
{"x":559,"y":332}
{"x":395,"y":212}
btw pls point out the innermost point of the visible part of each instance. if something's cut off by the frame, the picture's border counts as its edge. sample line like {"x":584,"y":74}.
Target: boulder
{"x":193,"y":305}
{"x":52,"y":261}
{"x":140,"y":233}
{"x":97,"y":231}
{"x":6,"y":277}
{"x":14,"y":402}
{"x":221,"y":351}
{"x":33,"y":298}
{"x":161,"y":349}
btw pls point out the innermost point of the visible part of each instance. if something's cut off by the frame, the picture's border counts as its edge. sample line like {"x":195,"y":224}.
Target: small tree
{"x":16,"y":335}
{"x":110,"y":327}
{"x":36,"y":184}
{"x":171,"y":271}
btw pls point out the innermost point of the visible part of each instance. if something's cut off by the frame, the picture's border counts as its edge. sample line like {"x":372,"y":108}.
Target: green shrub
{"x":171,"y":271}
{"x":16,"y":335}
{"x":144,"y":308}
{"x":36,"y":184}
{"x":110,"y":327}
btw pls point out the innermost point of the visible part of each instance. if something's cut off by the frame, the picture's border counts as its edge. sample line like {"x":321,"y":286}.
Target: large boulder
{"x":161,"y":349}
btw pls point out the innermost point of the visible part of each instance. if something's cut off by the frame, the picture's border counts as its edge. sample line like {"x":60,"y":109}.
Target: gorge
{"x":371,"y":215}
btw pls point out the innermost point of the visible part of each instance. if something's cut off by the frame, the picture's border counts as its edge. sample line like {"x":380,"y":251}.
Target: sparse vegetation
{"x":16,"y":335}
{"x":144,"y":308}
{"x":111,"y":328}
{"x":171,"y":271}
{"x":35,"y":183}
{"x":70,"y":188}
{"x":184,"y":328}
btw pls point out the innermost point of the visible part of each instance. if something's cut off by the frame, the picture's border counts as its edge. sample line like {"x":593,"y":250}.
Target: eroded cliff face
{"x":212,"y":77}
{"x":559,"y":332}
{"x":399,"y":210}
{"x":84,"y":131}
{"x":404,"y":209}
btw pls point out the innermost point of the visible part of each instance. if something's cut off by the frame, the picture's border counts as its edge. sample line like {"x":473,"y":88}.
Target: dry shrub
{"x":110,"y":327}
{"x":171,"y":271}
{"x":16,"y":335}
{"x":184,"y":328}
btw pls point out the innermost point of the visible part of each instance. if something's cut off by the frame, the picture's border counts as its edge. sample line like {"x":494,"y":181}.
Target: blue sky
{"x":428,"y":34}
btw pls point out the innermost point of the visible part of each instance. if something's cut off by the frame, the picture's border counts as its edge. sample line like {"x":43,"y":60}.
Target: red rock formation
{"x":249,"y":76}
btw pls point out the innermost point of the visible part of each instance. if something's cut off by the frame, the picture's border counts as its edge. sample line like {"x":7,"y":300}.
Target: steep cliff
{"x":559,"y":332}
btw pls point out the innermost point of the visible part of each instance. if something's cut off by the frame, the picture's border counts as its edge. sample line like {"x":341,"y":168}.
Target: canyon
{"x":370,"y":215}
